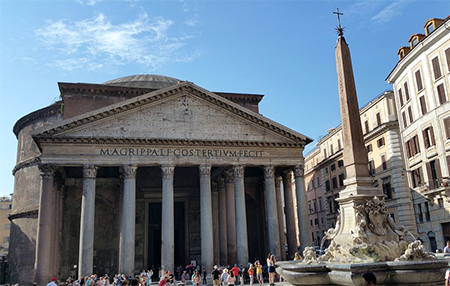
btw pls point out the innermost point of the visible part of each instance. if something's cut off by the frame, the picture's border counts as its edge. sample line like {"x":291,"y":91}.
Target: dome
{"x":144,"y":81}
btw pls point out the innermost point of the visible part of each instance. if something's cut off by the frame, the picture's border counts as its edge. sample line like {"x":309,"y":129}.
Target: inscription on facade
{"x":180,"y":152}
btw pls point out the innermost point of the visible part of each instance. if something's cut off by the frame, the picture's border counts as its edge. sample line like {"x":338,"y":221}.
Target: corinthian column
{"x":86,"y":252}
{"x":280,"y":213}
{"x":290,"y":213}
{"x":231,"y":218}
{"x":271,"y":209}
{"x":302,"y":208}
{"x":167,"y":221}
{"x":207,"y":241}
{"x":241,"y":215}
{"x":223,"y":221}
{"x":128,"y":223}
{"x":44,"y":247}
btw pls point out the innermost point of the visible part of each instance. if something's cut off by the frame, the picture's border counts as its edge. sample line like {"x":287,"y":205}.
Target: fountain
{"x":365,"y":239}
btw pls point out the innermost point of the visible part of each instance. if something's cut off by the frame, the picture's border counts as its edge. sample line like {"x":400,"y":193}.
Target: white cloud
{"x":100,"y":43}
{"x":391,"y":11}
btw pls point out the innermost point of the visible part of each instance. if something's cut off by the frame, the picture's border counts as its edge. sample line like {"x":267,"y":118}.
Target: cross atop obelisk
{"x":339,"y":28}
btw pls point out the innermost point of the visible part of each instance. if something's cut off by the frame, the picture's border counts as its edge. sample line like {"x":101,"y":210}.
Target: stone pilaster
{"x":168,"y":223}
{"x":128,"y":221}
{"x":86,"y":252}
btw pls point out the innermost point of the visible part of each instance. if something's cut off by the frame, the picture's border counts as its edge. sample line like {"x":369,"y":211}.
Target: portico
{"x":172,"y":176}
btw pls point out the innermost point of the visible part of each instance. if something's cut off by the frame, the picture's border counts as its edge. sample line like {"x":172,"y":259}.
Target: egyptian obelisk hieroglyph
{"x":358,"y":183}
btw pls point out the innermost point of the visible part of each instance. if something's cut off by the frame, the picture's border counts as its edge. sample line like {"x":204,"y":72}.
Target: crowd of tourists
{"x":191,"y":274}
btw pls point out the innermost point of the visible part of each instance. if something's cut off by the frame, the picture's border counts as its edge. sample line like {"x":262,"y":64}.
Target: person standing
{"x":231,"y":279}
{"x":447,"y":247}
{"x":251,"y":272}
{"x":224,"y":277}
{"x":271,"y":268}
{"x":52,"y":282}
{"x":259,"y":272}
{"x":204,"y":276}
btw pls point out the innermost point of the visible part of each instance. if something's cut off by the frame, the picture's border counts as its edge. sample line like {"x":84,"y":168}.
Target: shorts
{"x":271,"y":269}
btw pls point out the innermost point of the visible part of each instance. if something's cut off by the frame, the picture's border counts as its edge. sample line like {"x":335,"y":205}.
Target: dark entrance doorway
{"x":154,"y":235}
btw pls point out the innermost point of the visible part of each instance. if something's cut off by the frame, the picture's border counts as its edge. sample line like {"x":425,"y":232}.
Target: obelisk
{"x":358,"y":183}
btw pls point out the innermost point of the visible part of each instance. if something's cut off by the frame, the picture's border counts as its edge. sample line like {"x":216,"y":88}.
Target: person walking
{"x":259,"y":272}
{"x":231,"y":279}
{"x":224,"y":277}
{"x":251,"y":272}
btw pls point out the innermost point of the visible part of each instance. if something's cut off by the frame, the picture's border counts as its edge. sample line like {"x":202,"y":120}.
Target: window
{"x":7,"y":226}
{"x":331,"y":149}
{"x":383,"y":162}
{"x":430,"y":28}
{"x":419,"y":211}
{"x":327,"y":185}
{"x":380,"y":142}
{"x":326,"y":170}
{"x":436,"y":68}
{"x":423,"y":105}
{"x":320,"y":203}
{"x":414,"y":42}
{"x":405,"y":85}
{"x":378,"y":119}
{"x":434,"y":173}
{"x":315,"y":205}
{"x":387,"y":189}
{"x":366,"y":126}
{"x":335,"y":183}
{"x":318,"y":181}
{"x":412,"y":146}
{"x":419,"y":81}
{"x":321,"y":220}
{"x":333,"y":167}
{"x":428,"y":137}
{"x":309,"y":207}
{"x":400,"y":96}
{"x":341,"y":179}
{"x":447,"y":56}
{"x":405,"y":124}
{"x":447,"y":127}
{"x":6,"y":239}
{"x":416,"y":177}
{"x":316,"y":221}
{"x":325,"y":153}
{"x":411,"y":119}
{"x":441,"y":94}
{"x":339,"y":144}
{"x":312,"y":183}
{"x":371,"y":167}
{"x":369,"y":148}
{"x":340,"y":163}
{"x":427,"y":212}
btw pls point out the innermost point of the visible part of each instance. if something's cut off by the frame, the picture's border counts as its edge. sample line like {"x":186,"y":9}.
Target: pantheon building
{"x":149,"y":171}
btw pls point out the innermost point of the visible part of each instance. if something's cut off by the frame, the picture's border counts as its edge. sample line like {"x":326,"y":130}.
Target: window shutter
{"x":436,"y":68}
{"x":447,"y":127}
{"x":408,"y":152}
{"x":423,"y":105}
{"x":432,"y":136}
{"x":447,"y":56}
{"x":429,"y":175}
{"x":405,"y":124}
{"x":419,"y":81}
{"x":406,"y":91}
{"x":426,"y":138}
{"x":448,"y":159}
{"x":438,"y":168}
{"x":400,"y":96}
{"x":410,"y":114}
{"x":441,"y":93}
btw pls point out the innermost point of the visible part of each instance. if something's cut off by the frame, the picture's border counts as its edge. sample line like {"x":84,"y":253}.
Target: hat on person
{"x":225,"y":270}
{"x":54,"y":279}
{"x":215,"y":266}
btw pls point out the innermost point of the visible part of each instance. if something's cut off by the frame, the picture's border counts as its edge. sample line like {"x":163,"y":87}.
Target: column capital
{"x":129,"y":171}
{"x":47,"y":170}
{"x":288,"y":175}
{"x":278,"y":180}
{"x":90,"y":171}
{"x":228,"y":176}
{"x":269,"y":172}
{"x":205,"y":171}
{"x":298,"y":171}
{"x":238,"y":171}
{"x":168,"y":171}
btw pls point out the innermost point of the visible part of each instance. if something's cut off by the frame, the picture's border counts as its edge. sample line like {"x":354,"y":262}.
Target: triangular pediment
{"x":183,"y":113}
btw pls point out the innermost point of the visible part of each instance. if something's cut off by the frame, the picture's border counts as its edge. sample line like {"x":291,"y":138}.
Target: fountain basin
{"x":430,"y":272}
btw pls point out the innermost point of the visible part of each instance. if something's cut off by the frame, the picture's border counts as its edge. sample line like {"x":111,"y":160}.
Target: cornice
{"x":184,"y":87}
{"x":161,"y":141}
{"x":25,"y":214}
{"x":25,"y":164}
{"x":48,"y":111}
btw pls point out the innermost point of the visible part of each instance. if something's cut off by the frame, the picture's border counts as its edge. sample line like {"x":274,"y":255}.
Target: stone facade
{"x":132,"y":174}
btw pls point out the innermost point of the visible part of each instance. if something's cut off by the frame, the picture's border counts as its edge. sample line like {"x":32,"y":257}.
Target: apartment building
{"x":421,"y":83}
{"x":325,"y":168}
{"x":5,"y":211}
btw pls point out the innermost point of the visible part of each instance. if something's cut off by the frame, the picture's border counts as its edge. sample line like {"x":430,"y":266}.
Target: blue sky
{"x":282,"y":49}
